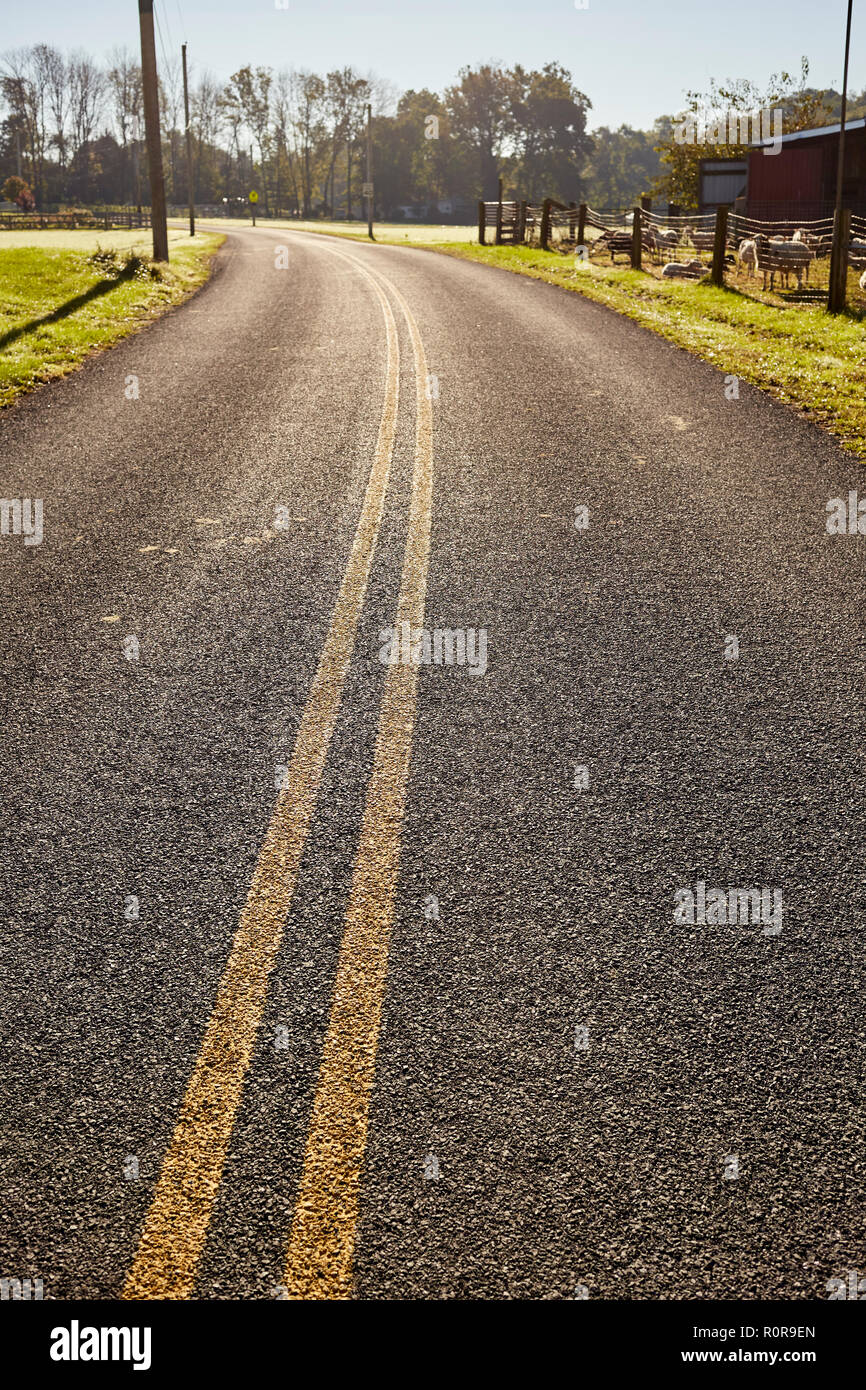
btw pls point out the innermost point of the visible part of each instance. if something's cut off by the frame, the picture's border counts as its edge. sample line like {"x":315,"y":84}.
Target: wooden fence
{"x":833,"y":249}
{"x":90,"y":218}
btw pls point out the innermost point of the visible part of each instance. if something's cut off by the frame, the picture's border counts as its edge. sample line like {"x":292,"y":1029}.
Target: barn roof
{"x":810,"y":134}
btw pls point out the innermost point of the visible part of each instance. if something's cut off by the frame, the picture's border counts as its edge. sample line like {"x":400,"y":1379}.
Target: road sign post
{"x":254,"y":198}
{"x":368,"y":185}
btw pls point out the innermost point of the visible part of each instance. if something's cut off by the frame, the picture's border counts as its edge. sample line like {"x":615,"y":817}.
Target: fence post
{"x":499,"y":216}
{"x":719,"y":243}
{"x":635,"y":240}
{"x":482,"y":221}
{"x":839,"y":261}
{"x":646,"y":202}
{"x":544,"y":233}
{"x":521,"y":224}
{"x":581,"y":225}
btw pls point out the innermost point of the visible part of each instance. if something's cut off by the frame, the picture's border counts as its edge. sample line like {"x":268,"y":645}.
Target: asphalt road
{"x":575,"y":1094}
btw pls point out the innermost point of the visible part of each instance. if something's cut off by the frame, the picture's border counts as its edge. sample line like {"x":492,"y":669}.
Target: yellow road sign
{"x":254,"y":197}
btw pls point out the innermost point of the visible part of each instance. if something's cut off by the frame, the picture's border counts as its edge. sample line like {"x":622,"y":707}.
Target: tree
{"x":480,"y":110}
{"x":86,"y":91}
{"x":123,"y":81}
{"x":705,"y":114}
{"x":246,"y":101}
{"x":549,"y":132}
{"x":22,"y":86}
{"x":15,"y":190}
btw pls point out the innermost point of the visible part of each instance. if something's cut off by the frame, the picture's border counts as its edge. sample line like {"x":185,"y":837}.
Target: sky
{"x":634,"y":59}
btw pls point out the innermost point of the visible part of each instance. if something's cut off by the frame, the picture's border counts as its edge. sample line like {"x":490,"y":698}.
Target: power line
{"x":161,"y":43}
{"x":181,"y":19}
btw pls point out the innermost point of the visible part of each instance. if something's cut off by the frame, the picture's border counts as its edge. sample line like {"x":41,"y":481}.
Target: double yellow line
{"x":321,"y":1244}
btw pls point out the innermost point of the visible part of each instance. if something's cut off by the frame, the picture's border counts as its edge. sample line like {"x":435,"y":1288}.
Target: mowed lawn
{"x":393,"y":233}
{"x":67,"y":294}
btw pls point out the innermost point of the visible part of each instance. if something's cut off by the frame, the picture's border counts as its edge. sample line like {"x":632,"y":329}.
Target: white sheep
{"x":863,"y":281}
{"x":701,"y":241}
{"x":676,"y":270}
{"x":747,"y":255}
{"x":778,"y":256}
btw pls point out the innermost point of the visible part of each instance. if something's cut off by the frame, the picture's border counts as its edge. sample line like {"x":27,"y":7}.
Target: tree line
{"x":73,"y":128}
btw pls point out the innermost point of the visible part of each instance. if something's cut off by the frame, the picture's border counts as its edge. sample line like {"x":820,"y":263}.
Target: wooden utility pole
{"x":150,"y":93}
{"x":839,"y":252}
{"x":368,"y":186}
{"x":189,"y":184}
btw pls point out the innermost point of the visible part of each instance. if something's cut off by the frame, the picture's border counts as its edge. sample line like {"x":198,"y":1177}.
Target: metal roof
{"x":810,"y":134}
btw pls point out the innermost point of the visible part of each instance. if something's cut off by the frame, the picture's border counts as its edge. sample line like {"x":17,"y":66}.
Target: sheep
{"x":747,"y":254}
{"x":660,"y":239}
{"x":676,"y":270}
{"x":779,"y":256}
{"x":862,"y":281}
{"x":701,"y":241}
{"x":617,"y":242}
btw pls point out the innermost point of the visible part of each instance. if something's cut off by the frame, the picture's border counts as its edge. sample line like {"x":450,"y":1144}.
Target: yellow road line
{"x":176,"y":1226}
{"x":322,"y":1241}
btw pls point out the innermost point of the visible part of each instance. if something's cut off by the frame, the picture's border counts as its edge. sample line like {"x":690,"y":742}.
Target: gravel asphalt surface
{"x":575,"y":1094}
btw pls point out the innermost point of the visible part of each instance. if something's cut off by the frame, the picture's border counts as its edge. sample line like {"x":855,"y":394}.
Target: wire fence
{"x":779,"y":261}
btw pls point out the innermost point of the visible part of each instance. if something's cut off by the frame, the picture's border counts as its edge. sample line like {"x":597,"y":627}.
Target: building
{"x":800,"y":180}
{"x":723,"y":181}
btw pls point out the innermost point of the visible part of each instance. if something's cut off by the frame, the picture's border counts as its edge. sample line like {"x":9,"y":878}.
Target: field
{"x":67,"y":294}
{"x":395,"y":233}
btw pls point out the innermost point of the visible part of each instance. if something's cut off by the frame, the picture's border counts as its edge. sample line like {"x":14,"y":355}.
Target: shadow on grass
{"x":70,"y":307}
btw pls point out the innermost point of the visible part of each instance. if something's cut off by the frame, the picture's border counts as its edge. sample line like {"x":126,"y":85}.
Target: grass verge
{"x":62,"y":300}
{"x":811,"y":360}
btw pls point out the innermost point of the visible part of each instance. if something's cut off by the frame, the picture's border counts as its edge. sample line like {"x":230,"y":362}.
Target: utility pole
{"x":189,"y":184}
{"x":368,"y":186}
{"x":839,"y":255}
{"x":150,"y":93}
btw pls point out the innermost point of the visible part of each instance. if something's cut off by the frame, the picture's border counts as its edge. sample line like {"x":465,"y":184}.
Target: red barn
{"x":799,"y":181}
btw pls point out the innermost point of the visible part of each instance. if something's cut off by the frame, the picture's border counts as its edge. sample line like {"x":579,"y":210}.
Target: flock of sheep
{"x":778,"y":256}
{"x":758,"y":254}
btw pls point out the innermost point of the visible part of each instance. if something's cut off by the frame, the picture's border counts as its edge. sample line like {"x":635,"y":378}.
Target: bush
{"x":15,"y":190}
{"x":126,"y":266}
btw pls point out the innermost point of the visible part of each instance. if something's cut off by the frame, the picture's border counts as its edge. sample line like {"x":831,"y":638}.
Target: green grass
{"x":67,"y":294}
{"x":811,"y":360}
{"x":393,"y":233}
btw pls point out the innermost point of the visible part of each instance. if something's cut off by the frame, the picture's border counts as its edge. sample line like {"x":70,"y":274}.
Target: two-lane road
{"x":322,"y":975}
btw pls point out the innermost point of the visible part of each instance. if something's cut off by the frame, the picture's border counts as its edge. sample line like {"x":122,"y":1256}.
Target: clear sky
{"x":633,"y":58}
